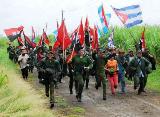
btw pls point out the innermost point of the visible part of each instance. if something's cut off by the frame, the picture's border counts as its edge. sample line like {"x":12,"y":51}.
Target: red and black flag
{"x":41,"y":43}
{"x":13,"y":33}
{"x":45,"y":38}
{"x":20,"y":41}
{"x":28,"y":42}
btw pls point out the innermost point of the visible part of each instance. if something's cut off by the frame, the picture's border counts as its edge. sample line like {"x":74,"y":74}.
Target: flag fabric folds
{"x":130,"y":15}
{"x":20,"y":41}
{"x":28,"y":42}
{"x":63,"y":37}
{"x":33,"y":35}
{"x":103,"y":19}
{"x":13,"y":33}
{"x":142,"y":41}
{"x":99,"y":32}
{"x":81,"y":34}
{"x":45,"y":38}
{"x":40,"y":43}
{"x":86,"y":24}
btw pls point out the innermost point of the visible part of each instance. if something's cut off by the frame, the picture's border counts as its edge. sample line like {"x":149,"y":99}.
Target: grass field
{"x":17,"y":98}
{"x":124,"y":40}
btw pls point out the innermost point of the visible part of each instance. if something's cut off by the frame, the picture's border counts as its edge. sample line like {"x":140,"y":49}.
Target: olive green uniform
{"x":52,"y":71}
{"x":78,"y":65}
{"x":100,"y":72}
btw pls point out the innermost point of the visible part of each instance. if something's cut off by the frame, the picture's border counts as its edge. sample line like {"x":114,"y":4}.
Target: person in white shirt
{"x":23,"y":62}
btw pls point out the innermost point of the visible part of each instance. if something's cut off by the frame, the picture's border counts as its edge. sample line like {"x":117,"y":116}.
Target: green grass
{"x":154,"y":80}
{"x":124,"y":40}
{"x":17,"y":98}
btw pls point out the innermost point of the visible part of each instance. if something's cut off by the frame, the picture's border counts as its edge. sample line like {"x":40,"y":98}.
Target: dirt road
{"x":129,"y":105}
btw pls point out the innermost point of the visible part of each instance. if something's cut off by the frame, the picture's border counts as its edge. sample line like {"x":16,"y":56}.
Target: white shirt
{"x":131,"y":58}
{"x":23,"y":61}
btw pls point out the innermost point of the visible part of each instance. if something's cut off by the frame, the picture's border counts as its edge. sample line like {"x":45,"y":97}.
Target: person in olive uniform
{"x":139,"y":65}
{"x":52,"y":70}
{"x":100,"y":61}
{"x":71,"y":80}
{"x":80,"y":62}
{"x":31,"y":60}
{"x":87,"y":67}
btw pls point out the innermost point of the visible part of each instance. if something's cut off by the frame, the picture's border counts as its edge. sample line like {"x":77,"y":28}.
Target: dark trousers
{"x":49,"y":90}
{"x":31,"y":68}
{"x":86,"y":78}
{"x":142,"y":82}
{"x":71,"y":81}
{"x":79,"y":83}
{"x":25,"y":72}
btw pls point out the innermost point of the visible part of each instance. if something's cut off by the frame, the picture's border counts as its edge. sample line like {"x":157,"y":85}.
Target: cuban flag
{"x":130,"y":15}
{"x":103,"y":19}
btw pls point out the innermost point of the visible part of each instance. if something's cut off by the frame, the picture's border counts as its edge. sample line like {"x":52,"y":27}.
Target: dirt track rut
{"x":129,"y":105}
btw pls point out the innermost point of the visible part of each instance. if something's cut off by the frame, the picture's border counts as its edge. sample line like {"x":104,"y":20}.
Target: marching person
{"x":129,"y":57}
{"x":79,"y":63}
{"x":40,"y":57}
{"x":146,"y":54}
{"x":139,"y":65}
{"x":112,"y":75}
{"x":31,"y":60}
{"x":122,"y":64}
{"x":100,"y":61}
{"x":52,"y":70}
{"x":87,"y":67}
{"x":23,"y":62}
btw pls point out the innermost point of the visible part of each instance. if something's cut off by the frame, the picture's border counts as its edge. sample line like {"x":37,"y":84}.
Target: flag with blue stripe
{"x":130,"y":15}
{"x":103,"y":19}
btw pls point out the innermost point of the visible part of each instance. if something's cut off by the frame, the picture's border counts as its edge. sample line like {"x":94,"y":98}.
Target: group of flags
{"x":129,"y":16}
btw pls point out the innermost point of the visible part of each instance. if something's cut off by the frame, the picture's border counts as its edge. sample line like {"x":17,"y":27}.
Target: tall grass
{"x":124,"y":40}
{"x":17,"y":98}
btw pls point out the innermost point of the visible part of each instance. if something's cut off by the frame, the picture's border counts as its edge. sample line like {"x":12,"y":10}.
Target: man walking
{"x":139,"y":65}
{"x":23,"y":62}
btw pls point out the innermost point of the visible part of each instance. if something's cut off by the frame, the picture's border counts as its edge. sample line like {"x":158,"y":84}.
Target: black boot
{"x":47,"y":95}
{"x":71,"y":92}
{"x":52,"y":105}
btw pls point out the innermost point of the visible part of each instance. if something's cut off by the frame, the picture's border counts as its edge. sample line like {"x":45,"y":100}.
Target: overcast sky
{"x":37,"y":13}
